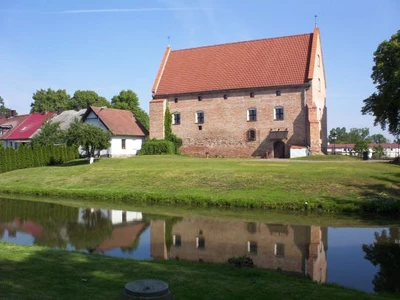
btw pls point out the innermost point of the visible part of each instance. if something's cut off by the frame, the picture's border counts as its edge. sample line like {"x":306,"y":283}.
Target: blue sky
{"x":108,"y":46}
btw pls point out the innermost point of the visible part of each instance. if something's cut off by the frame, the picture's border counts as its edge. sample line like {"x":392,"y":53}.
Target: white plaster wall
{"x":298,"y":152}
{"x":132,"y":145}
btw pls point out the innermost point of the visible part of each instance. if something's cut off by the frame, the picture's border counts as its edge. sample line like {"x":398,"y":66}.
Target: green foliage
{"x":156,"y":147}
{"x":341,"y":136}
{"x":241,"y":262}
{"x":360,"y":147}
{"x":82,"y":99}
{"x":378,"y":152}
{"x":378,"y":138}
{"x":3,"y":108}
{"x":90,"y":137}
{"x":49,"y":134}
{"x":37,"y":156}
{"x":128,"y":100}
{"x":169,"y":136}
{"x":385,"y":103}
{"x":50,"y":100}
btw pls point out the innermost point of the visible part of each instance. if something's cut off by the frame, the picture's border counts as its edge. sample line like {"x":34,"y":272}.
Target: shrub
{"x":153,"y":147}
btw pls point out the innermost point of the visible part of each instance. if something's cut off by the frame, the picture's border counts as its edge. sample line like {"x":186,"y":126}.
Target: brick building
{"x":255,"y":98}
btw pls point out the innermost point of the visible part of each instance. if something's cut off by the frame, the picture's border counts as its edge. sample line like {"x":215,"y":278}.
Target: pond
{"x":365,"y":256}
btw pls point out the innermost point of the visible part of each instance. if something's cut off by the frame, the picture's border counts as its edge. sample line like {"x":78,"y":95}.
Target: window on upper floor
{"x":252,"y":114}
{"x":176,"y":118}
{"x":278,"y":113}
{"x":200,"y":117}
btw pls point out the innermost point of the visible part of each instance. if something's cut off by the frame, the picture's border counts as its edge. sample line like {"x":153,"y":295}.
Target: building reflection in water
{"x":289,"y":248}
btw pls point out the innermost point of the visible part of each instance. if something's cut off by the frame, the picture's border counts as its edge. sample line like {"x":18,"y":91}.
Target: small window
{"x":279,"y":250}
{"x":200,"y":117}
{"x":319,"y":84}
{"x":251,"y":135}
{"x":199,"y":98}
{"x":200,"y":242}
{"x":252,"y":247}
{"x":176,"y":240}
{"x":225,"y":96}
{"x":176,"y":100}
{"x":123,"y":143}
{"x":252,"y":94}
{"x":278,"y":92}
{"x":318,"y":60}
{"x":176,"y":118}
{"x":200,"y":127}
{"x":278,"y":113}
{"x":252,"y":114}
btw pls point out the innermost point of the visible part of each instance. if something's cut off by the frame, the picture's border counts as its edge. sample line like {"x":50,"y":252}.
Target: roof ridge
{"x":243,"y":42}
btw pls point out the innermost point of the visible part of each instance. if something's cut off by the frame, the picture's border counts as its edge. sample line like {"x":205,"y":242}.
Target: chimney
{"x":13,"y":113}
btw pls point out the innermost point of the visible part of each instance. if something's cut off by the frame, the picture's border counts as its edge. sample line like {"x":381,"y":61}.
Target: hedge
{"x":153,"y":147}
{"x":38,"y":156}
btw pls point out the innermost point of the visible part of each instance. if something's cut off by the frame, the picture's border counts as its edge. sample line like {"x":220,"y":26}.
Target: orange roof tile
{"x":259,"y":63}
{"x":119,"y":121}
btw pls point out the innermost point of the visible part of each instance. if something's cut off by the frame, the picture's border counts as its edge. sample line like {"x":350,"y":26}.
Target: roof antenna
{"x":169,"y":44}
{"x":315,"y":16}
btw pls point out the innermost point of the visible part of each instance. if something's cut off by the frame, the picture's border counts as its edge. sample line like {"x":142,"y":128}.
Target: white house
{"x":390,"y":150}
{"x":128,"y":133}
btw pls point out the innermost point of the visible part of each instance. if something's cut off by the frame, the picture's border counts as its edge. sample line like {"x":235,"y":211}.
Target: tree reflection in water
{"x":385,"y":252}
{"x":96,"y":227}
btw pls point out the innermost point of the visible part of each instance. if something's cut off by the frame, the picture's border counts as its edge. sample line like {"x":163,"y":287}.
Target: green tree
{"x":129,"y":100}
{"x":82,"y":99}
{"x":50,"y":134}
{"x":338,"y":135}
{"x":91,"y":138}
{"x":384,"y":104}
{"x":358,"y":134}
{"x":379,"y":152}
{"x":50,"y":100}
{"x":169,"y":136}
{"x":360,"y":147}
{"x":378,"y":138}
{"x":385,"y":253}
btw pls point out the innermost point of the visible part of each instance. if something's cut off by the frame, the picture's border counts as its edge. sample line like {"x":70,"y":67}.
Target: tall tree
{"x":385,"y":103}
{"x":129,"y":100}
{"x":50,"y":134}
{"x":91,"y":138}
{"x":378,"y":138}
{"x":82,"y":99}
{"x":50,"y":100}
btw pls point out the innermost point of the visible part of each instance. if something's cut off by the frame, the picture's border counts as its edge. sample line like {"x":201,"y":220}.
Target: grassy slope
{"x":40,"y":273}
{"x":339,"y":186}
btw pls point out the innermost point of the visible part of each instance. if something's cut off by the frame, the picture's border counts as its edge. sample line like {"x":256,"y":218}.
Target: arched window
{"x":251,"y":135}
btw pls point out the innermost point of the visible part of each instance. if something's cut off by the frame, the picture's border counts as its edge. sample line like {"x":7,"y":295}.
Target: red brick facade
{"x":245,"y":122}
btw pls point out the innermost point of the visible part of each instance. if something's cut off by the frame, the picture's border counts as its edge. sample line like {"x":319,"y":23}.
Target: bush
{"x":153,"y":147}
{"x":38,"y":156}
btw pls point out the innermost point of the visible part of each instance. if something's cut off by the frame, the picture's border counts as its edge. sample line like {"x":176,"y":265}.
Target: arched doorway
{"x":279,"y":149}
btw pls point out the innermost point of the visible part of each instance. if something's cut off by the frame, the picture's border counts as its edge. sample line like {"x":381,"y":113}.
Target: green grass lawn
{"x":30,"y":272}
{"x":345,"y":186}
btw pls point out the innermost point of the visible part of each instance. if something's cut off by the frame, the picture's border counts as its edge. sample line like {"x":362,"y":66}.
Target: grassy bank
{"x":41,"y":273}
{"x":346,"y":186}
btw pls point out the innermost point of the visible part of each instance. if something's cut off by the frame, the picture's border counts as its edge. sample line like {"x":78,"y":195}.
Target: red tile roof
{"x":11,"y":123}
{"x":28,"y":126}
{"x":118,"y":121}
{"x":259,"y":63}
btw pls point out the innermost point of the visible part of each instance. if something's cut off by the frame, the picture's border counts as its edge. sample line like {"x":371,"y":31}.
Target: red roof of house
{"x":118,"y":121}
{"x":11,"y":123}
{"x":260,"y":63}
{"x":372,"y":145}
{"x":27,"y":126}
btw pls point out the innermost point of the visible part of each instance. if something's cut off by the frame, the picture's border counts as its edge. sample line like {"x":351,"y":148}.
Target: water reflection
{"x":385,"y":253}
{"x":295,"y":249}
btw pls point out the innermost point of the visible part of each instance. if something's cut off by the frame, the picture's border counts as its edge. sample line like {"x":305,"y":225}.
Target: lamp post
{"x":333,"y":137}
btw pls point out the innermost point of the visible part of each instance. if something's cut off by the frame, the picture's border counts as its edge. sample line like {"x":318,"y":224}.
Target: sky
{"x":109,"y":46}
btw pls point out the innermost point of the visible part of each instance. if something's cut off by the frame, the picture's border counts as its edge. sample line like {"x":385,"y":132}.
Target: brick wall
{"x":225,"y":127}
